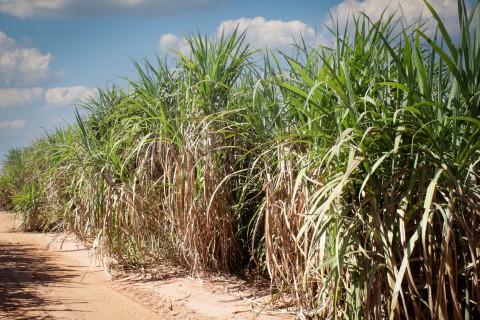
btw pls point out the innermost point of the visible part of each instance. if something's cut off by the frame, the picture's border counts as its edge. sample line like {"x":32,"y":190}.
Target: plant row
{"x":348,"y":174}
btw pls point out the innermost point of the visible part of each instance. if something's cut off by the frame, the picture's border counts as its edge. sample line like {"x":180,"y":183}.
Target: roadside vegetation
{"x":349,"y":174}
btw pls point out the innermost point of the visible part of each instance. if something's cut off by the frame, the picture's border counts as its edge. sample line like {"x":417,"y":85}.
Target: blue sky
{"x":54,"y":52}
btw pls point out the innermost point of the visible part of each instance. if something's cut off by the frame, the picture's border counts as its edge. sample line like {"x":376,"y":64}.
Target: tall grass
{"x":347,"y":174}
{"x":366,"y":204}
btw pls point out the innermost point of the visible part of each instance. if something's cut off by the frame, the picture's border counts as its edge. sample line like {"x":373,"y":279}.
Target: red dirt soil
{"x":47,"y":277}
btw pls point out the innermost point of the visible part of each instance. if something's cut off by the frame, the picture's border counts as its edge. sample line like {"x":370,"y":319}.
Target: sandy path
{"x":63,"y":283}
{"x":40,"y":284}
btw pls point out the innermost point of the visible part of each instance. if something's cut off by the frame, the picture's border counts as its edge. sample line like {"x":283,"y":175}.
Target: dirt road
{"x":40,"y":284}
{"x":62,"y":282}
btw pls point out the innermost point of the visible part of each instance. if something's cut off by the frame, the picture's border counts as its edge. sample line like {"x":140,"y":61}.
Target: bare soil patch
{"x":43,"y":277}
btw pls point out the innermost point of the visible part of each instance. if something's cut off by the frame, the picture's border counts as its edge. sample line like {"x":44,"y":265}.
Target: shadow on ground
{"x":24,"y":272}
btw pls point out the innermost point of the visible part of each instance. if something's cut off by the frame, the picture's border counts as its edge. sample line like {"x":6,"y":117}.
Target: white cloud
{"x":260,"y":33}
{"x":65,"y":96}
{"x":80,"y":8}
{"x":408,"y":10}
{"x":22,"y":66}
{"x":10,"y":97}
{"x":15,"y":124}
{"x":29,"y":8}
{"x":263,"y":33}
{"x":170,"y":41}
{"x":5,"y":41}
